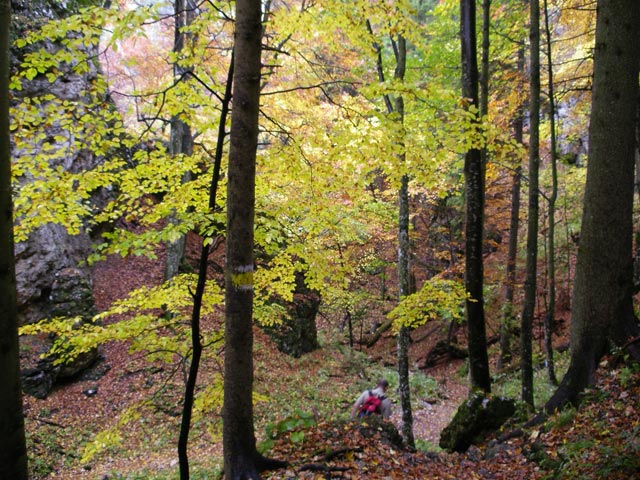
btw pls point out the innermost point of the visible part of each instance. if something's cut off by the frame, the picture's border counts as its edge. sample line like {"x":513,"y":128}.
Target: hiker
{"x":373,"y":402}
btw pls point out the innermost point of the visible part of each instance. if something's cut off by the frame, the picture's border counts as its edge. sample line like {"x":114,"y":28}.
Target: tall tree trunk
{"x":241,"y":458}
{"x":474,"y":212}
{"x":602,"y":298}
{"x":403,"y":334}
{"x":181,"y":140}
{"x":508,"y":323}
{"x":528,"y":310}
{"x":238,"y":434}
{"x":400,"y":49}
{"x":13,"y":450}
{"x":484,"y":76}
{"x":397,"y":106}
{"x":549,"y":318}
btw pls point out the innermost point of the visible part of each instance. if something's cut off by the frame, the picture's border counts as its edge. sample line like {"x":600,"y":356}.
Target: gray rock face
{"x":39,"y":261}
{"x":51,"y":280}
{"x":71,"y":295}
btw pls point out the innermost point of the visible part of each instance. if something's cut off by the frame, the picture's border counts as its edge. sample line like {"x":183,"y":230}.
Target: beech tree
{"x":528,"y":309}
{"x":474,"y":210}
{"x":549,"y":319}
{"x":400,"y":48}
{"x":508,"y":317}
{"x":602,"y":311}
{"x":241,"y":457}
{"x":181,"y":138}
{"x":13,"y":450}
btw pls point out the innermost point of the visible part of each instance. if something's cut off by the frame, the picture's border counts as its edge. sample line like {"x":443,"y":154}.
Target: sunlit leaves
{"x":437,"y":299}
{"x":154,"y":320}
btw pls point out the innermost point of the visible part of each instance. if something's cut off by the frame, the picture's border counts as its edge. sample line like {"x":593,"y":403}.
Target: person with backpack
{"x":373,"y":402}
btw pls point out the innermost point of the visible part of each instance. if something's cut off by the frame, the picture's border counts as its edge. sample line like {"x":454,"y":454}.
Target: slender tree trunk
{"x":13,"y":450}
{"x":528,"y":311}
{"x":403,"y":334}
{"x":400,"y":48}
{"x":397,"y":106}
{"x":508,"y":324}
{"x":474,"y":212}
{"x":196,"y":343}
{"x":484,"y":76}
{"x":181,"y":142}
{"x":549,"y":318}
{"x":602,"y":311}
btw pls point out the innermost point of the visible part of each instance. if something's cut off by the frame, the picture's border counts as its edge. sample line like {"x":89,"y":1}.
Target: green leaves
{"x":437,"y":299}
{"x":293,"y":427}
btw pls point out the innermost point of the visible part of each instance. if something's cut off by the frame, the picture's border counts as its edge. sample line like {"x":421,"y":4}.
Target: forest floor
{"x":601,"y":440}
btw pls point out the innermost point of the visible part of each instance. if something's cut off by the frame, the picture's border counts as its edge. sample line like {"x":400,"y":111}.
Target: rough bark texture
{"x":549,"y":318}
{"x":400,"y":48}
{"x":528,"y":309}
{"x":602,"y":310}
{"x":239,"y":443}
{"x":13,"y":451}
{"x":477,"y":417}
{"x":474,"y":212}
{"x":181,"y":142}
{"x":508,"y":325}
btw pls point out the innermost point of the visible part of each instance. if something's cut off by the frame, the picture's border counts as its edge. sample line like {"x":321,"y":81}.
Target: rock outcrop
{"x":475,"y":418}
{"x":50,"y":276}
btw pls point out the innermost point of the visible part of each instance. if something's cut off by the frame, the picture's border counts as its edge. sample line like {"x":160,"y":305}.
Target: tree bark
{"x":13,"y":450}
{"x":474,"y":212}
{"x":241,"y":458}
{"x":403,"y":263}
{"x":528,"y":309}
{"x":196,"y":342}
{"x":549,"y":318}
{"x":508,"y":323}
{"x":602,"y":310}
{"x":181,"y":139}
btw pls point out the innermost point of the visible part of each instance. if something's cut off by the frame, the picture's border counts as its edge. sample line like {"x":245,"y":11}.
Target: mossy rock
{"x":375,"y":424}
{"x":477,"y":417}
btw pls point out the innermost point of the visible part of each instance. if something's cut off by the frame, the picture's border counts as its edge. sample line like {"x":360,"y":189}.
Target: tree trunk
{"x":403,"y":264}
{"x":196,"y":343}
{"x":403,"y":334}
{"x":181,"y":142}
{"x":508,"y":324}
{"x":241,"y":458}
{"x":474,"y":212}
{"x":13,"y":450}
{"x":549,"y":318}
{"x":397,"y":106}
{"x":602,"y":298}
{"x":528,"y":310}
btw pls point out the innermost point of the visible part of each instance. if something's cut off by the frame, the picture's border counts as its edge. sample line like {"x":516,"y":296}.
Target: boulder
{"x":477,"y":417}
{"x":71,"y":296}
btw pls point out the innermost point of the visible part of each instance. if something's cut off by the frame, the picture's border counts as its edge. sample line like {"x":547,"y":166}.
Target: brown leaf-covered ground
{"x":598,"y":441}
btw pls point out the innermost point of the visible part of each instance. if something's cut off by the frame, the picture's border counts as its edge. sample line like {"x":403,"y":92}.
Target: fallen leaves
{"x":367,"y":451}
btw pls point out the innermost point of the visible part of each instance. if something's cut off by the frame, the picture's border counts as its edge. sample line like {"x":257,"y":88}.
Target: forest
{"x":223,"y":221}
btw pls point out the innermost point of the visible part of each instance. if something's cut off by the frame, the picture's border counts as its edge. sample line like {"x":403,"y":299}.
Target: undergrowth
{"x":599,"y":440}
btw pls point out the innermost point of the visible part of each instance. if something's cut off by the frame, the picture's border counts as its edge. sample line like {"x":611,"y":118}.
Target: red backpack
{"x":372,"y":405}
